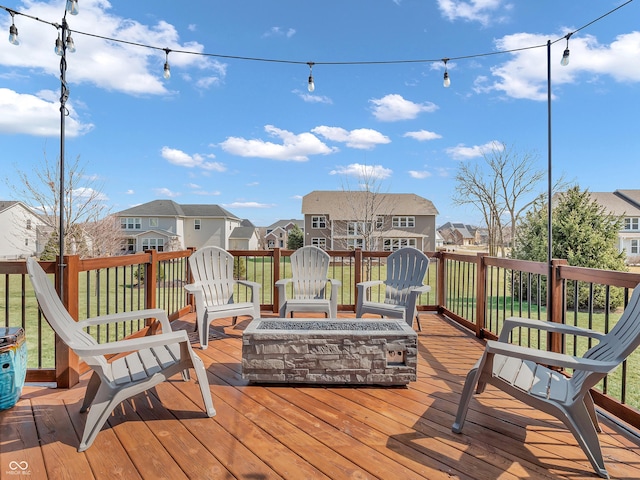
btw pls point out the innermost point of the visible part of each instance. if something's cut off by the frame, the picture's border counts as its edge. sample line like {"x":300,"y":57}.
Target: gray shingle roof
{"x":169,"y":208}
{"x":242,"y":232}
{"x":344,"y":205}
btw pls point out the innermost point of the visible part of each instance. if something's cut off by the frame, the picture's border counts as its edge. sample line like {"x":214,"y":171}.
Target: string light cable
{"x":311,"y":84}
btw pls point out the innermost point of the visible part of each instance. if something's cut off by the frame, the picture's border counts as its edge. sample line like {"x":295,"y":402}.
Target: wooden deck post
{"x":276,"y":277}
{"x":67,"y":362}
{"x":481,"y":287}
{"x":555,"y":340}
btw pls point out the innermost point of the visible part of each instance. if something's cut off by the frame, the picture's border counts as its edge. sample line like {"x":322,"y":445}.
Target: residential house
{"x":626,"y":204}
{"x":460,"y":234}
{"x":167,"y":225}
{"x":338,"y":220}
{"x":21,"y":231}
{"x":277,"y":234}
{"x":244,"y":237}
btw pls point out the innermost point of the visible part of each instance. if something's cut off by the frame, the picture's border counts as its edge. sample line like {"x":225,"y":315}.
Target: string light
{"x":167,"y":68}
{"x":13,"y":31}
{"x":446,"y":81}
{"x":72,"y":7}
{"x":311,"y":85}
{"x":59,"y":47}
{"x":565,"y":55}
{"x":71,"y":46}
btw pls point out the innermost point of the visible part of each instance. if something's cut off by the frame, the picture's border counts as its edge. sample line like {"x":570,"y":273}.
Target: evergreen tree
{"x":584,"y":234}
{"x":295,"y":239}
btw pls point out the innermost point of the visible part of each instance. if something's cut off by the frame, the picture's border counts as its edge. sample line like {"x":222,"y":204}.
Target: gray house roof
{"x":284,"y":223}
{"x":242,"y":233}
{"x":169,"y":208}
{"x":620,"y":202}
{"x":343,"y":205}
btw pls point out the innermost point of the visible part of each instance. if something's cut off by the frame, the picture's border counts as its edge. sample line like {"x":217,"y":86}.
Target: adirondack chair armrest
{"x":363,"y":286}
{"x":255,"y":286}
{"x":133,"y":344}
{"x":335,"y":283}
{"x":421,"y":289}
{"x":157,"y":313}
{"x":549,"y":358}
{"x":513,"y":322}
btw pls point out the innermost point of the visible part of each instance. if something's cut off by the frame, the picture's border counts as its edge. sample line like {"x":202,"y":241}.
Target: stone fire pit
{"x":362,"y":351}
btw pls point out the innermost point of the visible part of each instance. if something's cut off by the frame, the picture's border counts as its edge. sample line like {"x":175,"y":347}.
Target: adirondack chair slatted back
{"x":309,"y":268}
{"x":213,"y":267}
{"x":406,"y":268}
{"x":58,"y":317}
{"x":617,"y":345}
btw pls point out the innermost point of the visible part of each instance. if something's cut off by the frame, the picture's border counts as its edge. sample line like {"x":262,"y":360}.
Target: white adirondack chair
{"x":406,"y":269}
{"x":149,"y":360}
{"x":213,"y":289}
{"x":522,"y":372}
{"x":310,"y":269}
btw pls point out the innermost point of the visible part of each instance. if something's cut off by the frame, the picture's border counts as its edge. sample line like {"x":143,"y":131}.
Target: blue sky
{"x":247,"y":135}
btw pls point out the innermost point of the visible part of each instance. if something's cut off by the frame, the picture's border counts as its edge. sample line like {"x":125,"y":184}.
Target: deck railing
{"x":477,"y":291}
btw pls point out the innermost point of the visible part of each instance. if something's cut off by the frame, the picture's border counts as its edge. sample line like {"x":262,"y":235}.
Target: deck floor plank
{"x":306,"y":432}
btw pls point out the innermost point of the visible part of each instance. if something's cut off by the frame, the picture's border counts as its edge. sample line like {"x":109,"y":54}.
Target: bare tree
{"x":502,"y":189}
{"x":86,"y":216}
{"x":364,"y":207}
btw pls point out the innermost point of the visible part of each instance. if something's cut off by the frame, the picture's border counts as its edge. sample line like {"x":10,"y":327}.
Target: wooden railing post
{"x":67,"y":362}
{"x":481,"y":292}
{"x":150,"y":281}
{"x":276,"y":277}
{"x":555,"y":285}
{"x":357,"y":274}
{"x":441,"y":279}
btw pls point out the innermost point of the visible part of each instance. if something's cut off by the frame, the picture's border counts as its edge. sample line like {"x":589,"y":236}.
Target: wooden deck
{"x":303,"y":432}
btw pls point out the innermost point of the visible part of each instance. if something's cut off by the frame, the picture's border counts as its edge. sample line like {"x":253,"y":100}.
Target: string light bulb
{"x":167,"y":68}
{"x":311,"y":85}
{"x":72,"y":7}
{"x":446,"y":83}
{"x":13,"y":32}
{"x":59,"y":47}
{"x":71,"y":46}
{"x":565,"y":55}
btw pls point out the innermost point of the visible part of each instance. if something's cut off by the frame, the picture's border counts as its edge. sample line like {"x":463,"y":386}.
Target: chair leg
{"x":203,"y":382}
{"x":99,"y":412}
{"x":578,"y":419}
{"x":92,"y":389}
{"x":588,"y":403}
{"x":465,"y":398}
{"x":418,"y":320}
{"x":204,"y":335}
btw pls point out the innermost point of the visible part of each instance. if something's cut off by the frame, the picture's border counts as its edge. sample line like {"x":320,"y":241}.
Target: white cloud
{"x":423,"y":135}
{"x":524,"y":75}
{"x":37,"y":115}
{"x":393,"y":107}
{"x":110,"y":65}
{"x":182,"y":159}
{"x":462,"y":152}
{"x":482,"y":11}
{"x":89,"y":193}
{"x":363,"y":171}
{"x":248,"y":205}
{"x":419,"y":174}
{"x":280,"y":32}
{"x":361,"y":138}
{"x":294,"y":147}
{"x":309,"y":98}
{"x":165,"y":192}
{"x":130,"y":192}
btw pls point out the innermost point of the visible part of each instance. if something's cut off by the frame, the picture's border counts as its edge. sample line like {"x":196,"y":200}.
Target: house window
{"x":631,"y":224}
{"x":318,"y":222}
{"x":356,"y":228}
{"x":404,"y":222}
{"x":131,"y":223}
{"x":26,"y":242}
{"x":353,"y":243}
{"x":393,"y":244}
{"x":271,"y":244}
{"x":635,"y":246}
{"x":130,"y":245}
{"x":153,"y":244}
{"x":153,"y":222}
{"x":319,"y":242}
{"x":28,"y":224}
{"x":379,"y":222}
{"x":196,"y":224}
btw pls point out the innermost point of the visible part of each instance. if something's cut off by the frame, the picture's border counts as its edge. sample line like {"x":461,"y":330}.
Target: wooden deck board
{"x":305,"y":432}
